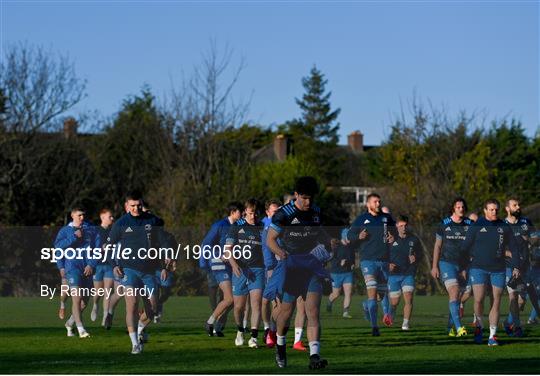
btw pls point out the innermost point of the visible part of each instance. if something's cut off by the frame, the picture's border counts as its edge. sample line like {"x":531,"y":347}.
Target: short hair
{"x":105,"y":210}
{"x":234,"y":206}
{"x":306,"y":185}
{"x":77,"y":209}
{"x":373,"y":194}
{"x":455,"y":201}
{"x":491,"y":201}
{"x":271,"y":202}
{"x":511,"y":198}
{"x":402,"y":218}
{"x":135,"y":196}
{"x":252,"y":203}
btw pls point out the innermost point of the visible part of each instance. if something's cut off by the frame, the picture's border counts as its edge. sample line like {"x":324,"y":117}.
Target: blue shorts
{"x":251,"y":279}
{"x":339,"y":279}
{"x":222,"y":275}
{"x":168,"y":282}
{"x":482,"y":276}
{"x":76,"y":278}
{"x":138,"y":279}
{"x":449,"y":274}
{"x":377,"y":270}
{"x":103,"y":270}
{"x":400,"y":282}
{"x":314,"y":285}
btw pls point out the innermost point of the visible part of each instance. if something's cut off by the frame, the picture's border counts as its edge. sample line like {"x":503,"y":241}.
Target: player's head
{"x":106,"y":217}
{"x":305,"y":190}
{"x":251,"y":210}
{"x":458,"y":207}
{"x":145,"y":206}
{"x":234,"y":210}
{"x":402,"y":225}
{"x":133,"y":204}
{"x":373,"y":203}
{"x":271,"y":206}
{"x":512,"y":207}
{"x":77,"y":216}
{"x":473,"y":216}
{"x":491,"y":209}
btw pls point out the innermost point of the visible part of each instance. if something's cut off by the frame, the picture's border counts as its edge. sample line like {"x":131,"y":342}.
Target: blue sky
{"x":476,"y":56}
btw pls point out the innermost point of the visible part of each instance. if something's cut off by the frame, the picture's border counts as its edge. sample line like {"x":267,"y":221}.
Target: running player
{"x":449,"y":262}
{"x":270,"y":263}
{"x":247,"y":270}
{"x":486,"y":242}
{"x":103,"y":277}
{"x":78,"y":234}
{"x":342,"y":275}
{"x":299,"y":271}
{"x":137,"y":230}
{"x":220,"y":270}
{"x":534,"y":272}
{"x":372,"y":233}
{"x":522,"y":228}
{"x":404,"y":255}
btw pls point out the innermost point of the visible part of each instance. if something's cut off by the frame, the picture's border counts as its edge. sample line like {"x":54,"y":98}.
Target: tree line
{"x":191,"y":152}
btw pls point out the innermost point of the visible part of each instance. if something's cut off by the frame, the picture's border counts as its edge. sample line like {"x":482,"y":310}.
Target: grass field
{"x":34,"y":341}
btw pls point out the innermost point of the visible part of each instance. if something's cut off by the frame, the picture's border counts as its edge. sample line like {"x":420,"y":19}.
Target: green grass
{"x":34,"y":341}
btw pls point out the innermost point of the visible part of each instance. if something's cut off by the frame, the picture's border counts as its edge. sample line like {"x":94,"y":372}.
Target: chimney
{"x":356,"y":142}
{"x":70,"y":128}
{"x":280,"y":147}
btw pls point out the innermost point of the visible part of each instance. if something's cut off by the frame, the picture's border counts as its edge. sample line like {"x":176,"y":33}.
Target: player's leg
{"x":407,"y":286}
{"x":337,"y":284}
{"x":312,"y":305}
{"x":299,"y":322}
{"x":113,"y":302}
{"x":239,"y":301}
{"x":347,"y":294}
{"x":497,"y":283}
{"x":450,"y":278}
{"x":512,"y":320}
{"x":255,"y":299}
{"x":63,"y":299}
{"x":394,"y":292}
{"x":150,"y":302}
{"x":478,"y":280}
{"x":283,"y":316}
{"x":132,"y":318}
{"x":368,"y":271}
{"x":98,"y":284}
{"x":223,"y":306}
{"x":108,"y":284}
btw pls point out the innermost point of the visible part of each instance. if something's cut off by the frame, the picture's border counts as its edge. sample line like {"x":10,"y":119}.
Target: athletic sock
{"x":281,"y":340}
{"x":372,"y":307}
{"x":254,"y":333}
{"x":450,"y":323}
{"x":80,"y":329}
{"x":314,"y":347}
{"x":297,"y":334}
{"x":510,"y":319}
{"x":62,"y":305}
{"x":140,"y":327}
{"x":266,"y":325}
{"x":245,"y":323}
{"x":492,"y":331}
{"x":281,"y":347}
{"x":211,"y":320}
{"x":386,"y":304}
{"x":405,"y":321}
{"x":70,"y":321}
{"x":454,"y":311}
{"x":240,"y":328}
{"x":133,"y":338}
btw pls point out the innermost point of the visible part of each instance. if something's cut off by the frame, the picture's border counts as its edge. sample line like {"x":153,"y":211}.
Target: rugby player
{"x":534,"y":272}
{"x":449,"y":261}
{"x":299,"y":271}
{"x":522,"y":228}
{"x":372,"y":233}
{"x":103,"y":276}
{"x":342,"y":275}
{"x":404,"y":255}
{"x":220,"y":270}
{"x":138,"y":230}
{"x":248,"y":270}
{"x":78,"y":234}
{"x":486,"y":242}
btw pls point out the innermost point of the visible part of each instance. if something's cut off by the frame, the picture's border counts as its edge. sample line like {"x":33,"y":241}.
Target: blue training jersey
{"x":375,"y":247}
{"x":66,"y":239}
{"x":400,"y":251}
{"x":452,"y":235}
{"x":522,"y":230}
{"x":215,"y":237}
{"x":243,"y":234}
{"x":486,"y":243}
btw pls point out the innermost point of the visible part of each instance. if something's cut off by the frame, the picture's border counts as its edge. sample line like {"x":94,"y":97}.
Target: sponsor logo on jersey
{"x":148,"y":227}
